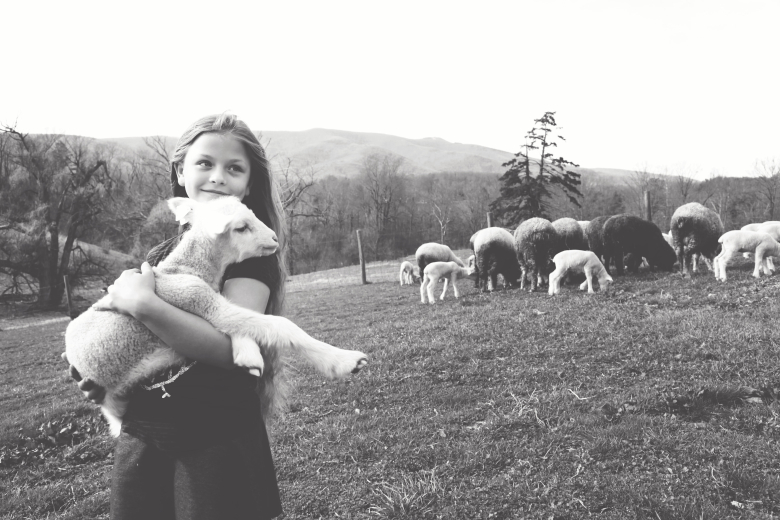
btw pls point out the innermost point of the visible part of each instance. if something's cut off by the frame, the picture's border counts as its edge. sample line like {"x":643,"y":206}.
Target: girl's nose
{"x":217,"y":176}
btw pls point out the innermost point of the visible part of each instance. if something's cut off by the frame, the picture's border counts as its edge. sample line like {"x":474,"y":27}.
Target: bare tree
{"x":768,"y":179}
{"x":382,"y":176}
{"x":59,"y":185}
{"x":638,"y":183}
{"x":294,"y":183}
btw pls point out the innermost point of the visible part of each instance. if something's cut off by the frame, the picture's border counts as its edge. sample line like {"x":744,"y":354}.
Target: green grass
{"x":657,"y":401}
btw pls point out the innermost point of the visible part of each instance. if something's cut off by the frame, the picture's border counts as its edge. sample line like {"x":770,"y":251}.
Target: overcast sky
{"x":674,"y":84}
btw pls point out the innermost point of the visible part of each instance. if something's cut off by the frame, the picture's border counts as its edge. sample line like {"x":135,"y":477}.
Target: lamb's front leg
{"x":246,"y":353}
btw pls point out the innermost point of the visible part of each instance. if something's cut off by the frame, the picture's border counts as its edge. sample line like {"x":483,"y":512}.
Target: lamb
{"x":450,"y":271}
{"x":406,"y":275}
{"x":536,"y":242}
{"x":494,"y":254}
{"x":762,"y":245}
{"x":695,"y":229}
{"x":118,"y":352}
{"x":595,"y":236}
{"x":572,"y":235}
{"x":576,"y":261}
{"x":627,"y":234}
{"x":435,"y":252}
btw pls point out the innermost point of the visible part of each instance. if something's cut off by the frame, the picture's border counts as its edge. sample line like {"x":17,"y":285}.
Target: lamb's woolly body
{"x":118,"y":352}
{"x":576,"y":261}
{"x":571,"y":233}
{"x":494,"y":254}
{"x":762,"y":245}
{"x":627,"y":234}
{"x":406,"y":274}
{"x":695,"y":229}
{"x":434,"y":271}
{"x":435,"y":252}
{"x":595,"y":236}
{"x":536,"y":242}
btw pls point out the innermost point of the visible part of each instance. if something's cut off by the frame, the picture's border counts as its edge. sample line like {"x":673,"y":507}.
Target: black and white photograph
{"x":429,"y":260}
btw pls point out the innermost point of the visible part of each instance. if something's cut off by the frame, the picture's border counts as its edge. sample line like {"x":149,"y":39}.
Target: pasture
{"x":658,"y":401}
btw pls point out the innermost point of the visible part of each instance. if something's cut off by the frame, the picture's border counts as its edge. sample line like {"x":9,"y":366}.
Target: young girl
{"x":193,"y":442}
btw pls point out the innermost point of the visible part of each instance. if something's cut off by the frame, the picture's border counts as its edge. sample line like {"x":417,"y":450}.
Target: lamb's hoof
{"x":256,"y":372}
{"x":360,"y":364}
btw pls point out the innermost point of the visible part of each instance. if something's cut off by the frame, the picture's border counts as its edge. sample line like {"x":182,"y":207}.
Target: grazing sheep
{"x":695,"y":229}
{"x":624,"y":234}
{"x":536,"y":242}
{"x":449,"y":271}
{"x":406,"y":275}
{"x":584,"y":226}
{"x":118,"y":352}
{"x":494,"y":254}
{"x":762,"y":245}
{"x":572,"y":235}
{"x":595,"y":236}
{"x":434,"y":252}
{"x":575,"y":261}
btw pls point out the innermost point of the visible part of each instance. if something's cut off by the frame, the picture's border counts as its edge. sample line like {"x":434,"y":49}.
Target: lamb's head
{"x":235,"y":230}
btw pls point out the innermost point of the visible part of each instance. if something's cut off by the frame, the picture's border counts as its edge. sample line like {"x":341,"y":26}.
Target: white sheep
{"x":118,"y":352}
{"x":406,"y":275}
{"x":450,"y":271}
{"x":762,"y":245}
{"x":576,"y":261}
{"x":435,"y":252}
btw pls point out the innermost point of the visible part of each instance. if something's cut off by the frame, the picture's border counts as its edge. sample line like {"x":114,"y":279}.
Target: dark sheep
{"x":595,"y":237}
{"x":627,"y":234}
{"x":536,"y":243}
{"x":695,"y":229}
{"x":572,"y":236}
{"x":494,"y":254}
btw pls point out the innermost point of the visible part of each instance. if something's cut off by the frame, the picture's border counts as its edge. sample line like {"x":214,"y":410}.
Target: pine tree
{"x":526,"y":185}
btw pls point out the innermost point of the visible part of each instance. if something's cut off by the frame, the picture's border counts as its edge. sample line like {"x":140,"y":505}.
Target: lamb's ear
{"x":182,"y":209}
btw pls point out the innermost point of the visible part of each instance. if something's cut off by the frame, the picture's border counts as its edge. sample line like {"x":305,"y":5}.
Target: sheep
{"x":494,"y":254}
{"x":595,"y":236}
{"x":434,"y":252}
{"x":572,"y":235}
{"x":118,"y":352}
{"x":584,"y":226}
{"x":624,"y":234}
{"x":406,"y":275}
{"x":536,"y":242}
{"x":449,"y":271}
{"x":577,"y":261}
{"x":695,"y":229}
{"x":762,"y":245}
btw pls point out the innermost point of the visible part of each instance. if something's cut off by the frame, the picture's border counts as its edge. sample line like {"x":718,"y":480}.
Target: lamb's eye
{"x":243,"y":228}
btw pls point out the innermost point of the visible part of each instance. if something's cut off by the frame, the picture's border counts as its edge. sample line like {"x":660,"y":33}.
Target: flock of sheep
{"x":541,"y":251}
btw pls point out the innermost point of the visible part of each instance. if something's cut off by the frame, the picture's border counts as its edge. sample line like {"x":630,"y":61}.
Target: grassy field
{"x":656,"y":401}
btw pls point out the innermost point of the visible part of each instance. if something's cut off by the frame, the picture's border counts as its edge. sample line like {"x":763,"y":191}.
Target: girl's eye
{"x":238,"y":169}
{"x":203,"y":163}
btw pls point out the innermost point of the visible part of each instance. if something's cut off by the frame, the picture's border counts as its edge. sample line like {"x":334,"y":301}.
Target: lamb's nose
{"x":275,"y":239}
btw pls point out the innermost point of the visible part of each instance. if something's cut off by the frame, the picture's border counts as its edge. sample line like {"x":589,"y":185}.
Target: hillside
{"x":340,"y":152}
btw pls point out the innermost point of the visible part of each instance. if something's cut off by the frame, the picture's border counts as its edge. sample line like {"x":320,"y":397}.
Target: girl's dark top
{"x":207,"y":404}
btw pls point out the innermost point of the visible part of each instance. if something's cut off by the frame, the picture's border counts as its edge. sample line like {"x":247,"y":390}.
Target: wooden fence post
{"x":67,"y":293}
{"x":489,"y":219}
{"x":362,"y":259}
{"x":648,"y":209}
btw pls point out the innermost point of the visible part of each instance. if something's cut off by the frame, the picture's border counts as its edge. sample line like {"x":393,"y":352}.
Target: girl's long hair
{"x":263,"y":198}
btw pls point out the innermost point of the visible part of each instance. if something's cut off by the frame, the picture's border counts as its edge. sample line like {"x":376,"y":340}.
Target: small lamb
{"x":576,"y":261}
{"x":406,"y":275}
{"x":450,"y":271}
{"x":118,"y":352}
{"x":762,"y":245}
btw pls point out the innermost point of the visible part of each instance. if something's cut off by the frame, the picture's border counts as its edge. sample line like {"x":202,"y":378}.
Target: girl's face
{"x":215,"y":165}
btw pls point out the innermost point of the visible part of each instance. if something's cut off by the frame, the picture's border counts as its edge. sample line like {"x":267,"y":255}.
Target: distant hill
{"x":340,"y":153}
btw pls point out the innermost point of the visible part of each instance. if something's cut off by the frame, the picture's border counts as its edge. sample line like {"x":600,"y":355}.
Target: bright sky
{"x":672,"y":84}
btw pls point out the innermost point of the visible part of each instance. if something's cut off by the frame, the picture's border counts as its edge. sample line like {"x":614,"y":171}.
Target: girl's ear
{"x":182,"y":208}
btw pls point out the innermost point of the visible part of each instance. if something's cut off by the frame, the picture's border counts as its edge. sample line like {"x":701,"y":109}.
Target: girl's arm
{"x":188,"y":334}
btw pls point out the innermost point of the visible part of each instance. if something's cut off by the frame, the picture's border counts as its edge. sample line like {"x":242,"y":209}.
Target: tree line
{"x":64,"y":198}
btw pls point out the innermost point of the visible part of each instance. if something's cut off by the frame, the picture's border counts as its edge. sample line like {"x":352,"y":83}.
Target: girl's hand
{"x":130,"y":292}
{"x":91,"y":390}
